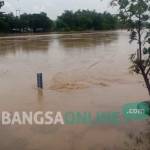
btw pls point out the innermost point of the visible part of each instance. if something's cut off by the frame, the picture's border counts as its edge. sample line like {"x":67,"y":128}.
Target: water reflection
{"x":39,"y":95}
{"x":87,"y":40}
{"x":29,"y":44}
{"x":26,"y":45}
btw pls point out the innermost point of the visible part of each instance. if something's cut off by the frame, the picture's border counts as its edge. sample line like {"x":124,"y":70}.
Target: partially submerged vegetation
{"x":85,"y":20}
{"x":135,"y":14}
{"x":80,"y":20}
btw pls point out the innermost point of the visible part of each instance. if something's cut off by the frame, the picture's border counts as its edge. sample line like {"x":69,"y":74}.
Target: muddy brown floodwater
{"x":85,"y":72}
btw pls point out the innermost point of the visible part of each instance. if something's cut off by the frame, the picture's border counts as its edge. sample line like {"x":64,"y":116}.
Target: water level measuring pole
{"x":40,"y":80}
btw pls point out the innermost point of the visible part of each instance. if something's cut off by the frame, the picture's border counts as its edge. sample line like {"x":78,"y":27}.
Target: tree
{"x":3,"y":24}
{"x":25,"y":23}
{"x":40,"y":22}
{"x":135,"y":14}
{"x":82,"y":20}
{"x":1,"y":3}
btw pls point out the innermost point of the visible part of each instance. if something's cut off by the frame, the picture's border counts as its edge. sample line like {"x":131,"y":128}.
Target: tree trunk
{"x":147,"y":82}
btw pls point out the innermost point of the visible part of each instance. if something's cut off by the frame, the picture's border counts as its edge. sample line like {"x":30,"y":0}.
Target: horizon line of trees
{"x":80,"y":20}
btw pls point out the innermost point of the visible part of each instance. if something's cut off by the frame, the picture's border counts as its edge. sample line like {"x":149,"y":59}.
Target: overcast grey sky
{"x":55,"y":7}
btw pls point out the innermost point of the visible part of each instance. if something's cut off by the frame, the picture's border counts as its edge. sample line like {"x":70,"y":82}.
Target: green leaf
{"x":145,"y":50}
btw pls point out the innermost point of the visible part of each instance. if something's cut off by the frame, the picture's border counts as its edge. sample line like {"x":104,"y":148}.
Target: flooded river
{"x":85,"y":72}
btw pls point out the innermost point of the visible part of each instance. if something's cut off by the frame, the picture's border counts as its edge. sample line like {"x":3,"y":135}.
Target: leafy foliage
{"x":135,"y":15}
{"x":80,"y":20}
{"x":85,"y":20}
{"x":25,"y":23}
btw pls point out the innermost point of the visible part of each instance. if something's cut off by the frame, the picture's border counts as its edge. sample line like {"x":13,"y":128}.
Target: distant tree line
{"x":85,"y":20}
{"x":25,"y":23}
{"x":80,"y":20}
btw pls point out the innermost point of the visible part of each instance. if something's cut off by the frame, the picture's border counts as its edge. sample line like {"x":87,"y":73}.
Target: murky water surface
{"x":85,"y":72}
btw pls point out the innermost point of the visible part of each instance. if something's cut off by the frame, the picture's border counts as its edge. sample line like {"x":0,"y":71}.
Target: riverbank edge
{"x":60,"y":32}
